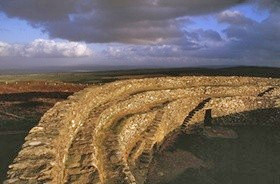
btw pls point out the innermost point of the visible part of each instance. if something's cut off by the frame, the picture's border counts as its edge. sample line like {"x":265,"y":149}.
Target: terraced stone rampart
{"x":108,"y":134}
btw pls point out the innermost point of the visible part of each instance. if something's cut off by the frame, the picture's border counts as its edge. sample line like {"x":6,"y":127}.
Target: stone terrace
{"x":109,"y":133}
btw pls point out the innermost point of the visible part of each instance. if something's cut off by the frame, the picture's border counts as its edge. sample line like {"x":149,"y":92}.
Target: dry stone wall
{"x":108,"y":134}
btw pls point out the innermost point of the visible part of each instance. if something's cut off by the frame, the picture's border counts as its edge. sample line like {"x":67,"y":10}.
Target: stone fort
{"x":110,"y":133}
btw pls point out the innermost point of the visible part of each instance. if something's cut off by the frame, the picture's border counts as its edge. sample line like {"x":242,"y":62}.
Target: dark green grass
{"x":253,"y":158}
{"x":9,"y":147}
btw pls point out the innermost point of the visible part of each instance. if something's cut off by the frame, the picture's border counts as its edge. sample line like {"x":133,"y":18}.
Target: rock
{"x":36,"y":129}
{"x":18,"y":166}
{"x":35,"y":143}
{"x":114,"y":159}
{"x":11,"y":181}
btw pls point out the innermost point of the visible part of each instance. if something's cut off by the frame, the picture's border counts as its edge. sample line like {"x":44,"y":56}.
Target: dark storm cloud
{"x":259,"y":40}
{"x":34,"y":10}
{"x":127,"y":21}
{"x":271,"y":4}
{"x":245,"y":42}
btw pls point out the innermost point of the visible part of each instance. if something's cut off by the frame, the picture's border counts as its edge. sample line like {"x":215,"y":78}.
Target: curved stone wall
{"x":108,"y":134}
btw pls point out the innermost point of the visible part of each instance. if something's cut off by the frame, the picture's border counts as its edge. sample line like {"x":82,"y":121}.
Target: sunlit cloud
{"x":45,"y":49}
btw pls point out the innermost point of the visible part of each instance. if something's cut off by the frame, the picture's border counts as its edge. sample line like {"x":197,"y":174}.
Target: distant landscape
{"x":107,"y":76}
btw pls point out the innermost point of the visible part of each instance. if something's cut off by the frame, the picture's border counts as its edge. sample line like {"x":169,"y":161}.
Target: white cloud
{"x":41,"y":48}
{"x":4,"y":49}
{"x":234,"y":18}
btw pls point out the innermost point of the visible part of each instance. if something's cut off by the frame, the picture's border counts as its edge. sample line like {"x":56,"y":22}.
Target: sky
{"x":157,"y":33}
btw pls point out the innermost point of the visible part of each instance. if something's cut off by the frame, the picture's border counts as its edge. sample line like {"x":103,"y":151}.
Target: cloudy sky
{"x":169,"y":33}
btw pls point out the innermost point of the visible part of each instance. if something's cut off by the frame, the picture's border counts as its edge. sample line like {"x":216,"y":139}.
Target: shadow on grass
{"x":232,"y":71}
{"x":9,"y":146}
{"x":31,"y":95}
{"x":252,"y":158}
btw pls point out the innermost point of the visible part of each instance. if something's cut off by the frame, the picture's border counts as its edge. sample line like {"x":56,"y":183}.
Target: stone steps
{"x":198,"y":108}
{"x":269,"y":90}
{"x":147,"y":154}
{"x":79,"y":166}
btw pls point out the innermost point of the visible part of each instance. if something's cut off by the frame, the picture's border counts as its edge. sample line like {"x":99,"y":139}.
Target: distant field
{"x":22,"y":104}
{"x":58,"y":77}
{"x":109,"y":76}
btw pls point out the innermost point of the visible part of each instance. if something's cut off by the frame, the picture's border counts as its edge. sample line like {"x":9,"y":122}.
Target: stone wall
{"x":108,"y":133}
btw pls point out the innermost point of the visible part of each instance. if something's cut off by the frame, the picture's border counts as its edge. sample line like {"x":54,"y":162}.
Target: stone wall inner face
{"x":108,"y":134}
